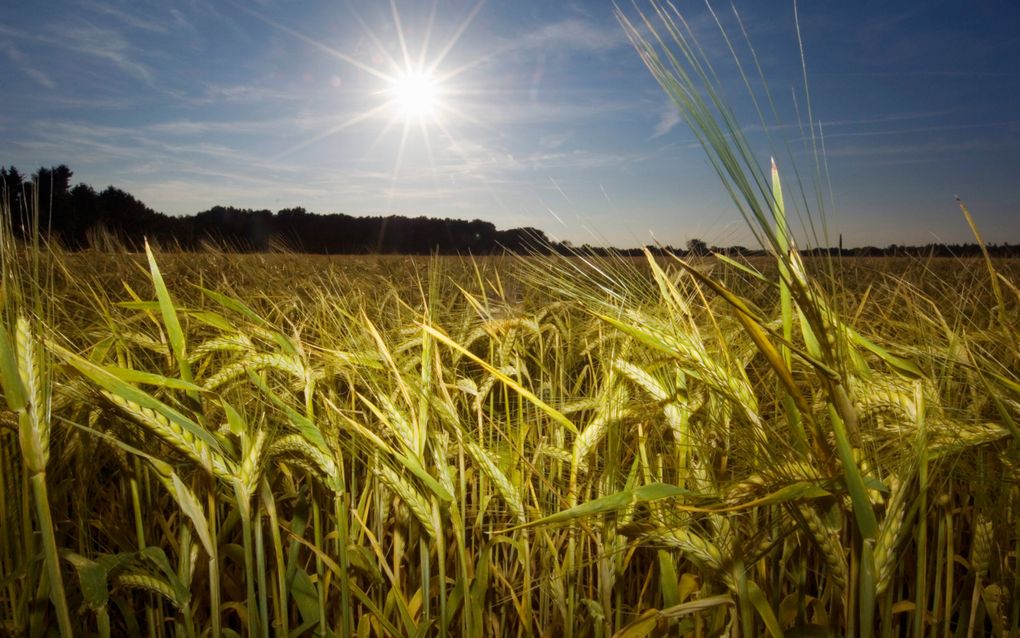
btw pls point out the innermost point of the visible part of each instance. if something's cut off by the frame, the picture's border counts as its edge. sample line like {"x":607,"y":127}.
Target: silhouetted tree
{"x":697,"y":247}
{"x":52,"y":186}
{"x":84,"y":204}
{"x":12,"y":184}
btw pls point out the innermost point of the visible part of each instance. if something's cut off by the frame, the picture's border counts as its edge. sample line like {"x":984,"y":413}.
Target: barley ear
{"x":981,"y":550}
{"x":34,"y":430}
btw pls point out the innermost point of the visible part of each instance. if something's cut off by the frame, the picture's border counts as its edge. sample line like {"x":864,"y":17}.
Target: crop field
{"x":215,"y":445}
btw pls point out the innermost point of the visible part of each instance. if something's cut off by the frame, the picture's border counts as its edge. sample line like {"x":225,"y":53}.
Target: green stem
{"x":244,"y":509}
{"x":319,"y":572}
{"x":184,"y":574}
{"x":49,"y":540}
{"x":283,"y":622}
{"x":744,"y":603}
{"x":921,"y":601}
{"x":260,"y":569}
{"x":103,"y":622}
{"x":346,"y":611}
{"x":214,"y":569}
{"x":866,"y":599}
{"x":136,"y":501}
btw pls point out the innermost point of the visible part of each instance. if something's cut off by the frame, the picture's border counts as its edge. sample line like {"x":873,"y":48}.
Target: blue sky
{"x":547,"y":117}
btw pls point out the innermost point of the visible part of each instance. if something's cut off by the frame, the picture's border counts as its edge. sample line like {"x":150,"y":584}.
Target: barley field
{"x":216,"y":445}
{"x":212,"y":444}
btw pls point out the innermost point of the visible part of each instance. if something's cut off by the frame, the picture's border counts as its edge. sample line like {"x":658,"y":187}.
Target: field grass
{"x":218,"y":445}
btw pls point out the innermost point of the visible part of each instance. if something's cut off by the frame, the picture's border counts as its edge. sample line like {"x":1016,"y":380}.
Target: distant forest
{"x":80,"y":218}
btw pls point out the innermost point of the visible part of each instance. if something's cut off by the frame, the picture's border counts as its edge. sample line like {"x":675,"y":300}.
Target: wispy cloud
{"x":668,"y":120}
{"x":470,"y":158}
{"x":1006,"y":125}
{"x":106,"y":44}
{"x":92,"y":142}
{"x":183,"y":128}
{"x":18,"y":58}
{"x":927,"y":151}
{"x":241,"y":94}
{"x":131,"y":20}
{"x":546,"y":108}
{"x":883,"y":118}
{"x":574,"y":34}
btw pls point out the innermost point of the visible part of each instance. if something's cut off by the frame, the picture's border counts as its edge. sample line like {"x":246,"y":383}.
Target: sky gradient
{"x":550,"y":119}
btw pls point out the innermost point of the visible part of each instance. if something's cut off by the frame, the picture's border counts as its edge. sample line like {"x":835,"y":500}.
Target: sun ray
{"x":468,"y":118}
{"x":456,"y":36}
{"x":370,"y":34}
{"x":429,"y":154}
{"x":428,"y":35}
{"x":382,"y":134}
{"x":333,"y":130}
{"x":398,"y":164}
{"x":400,"y":34}
{"x":315,"y":43}
{"x":475,"y":62}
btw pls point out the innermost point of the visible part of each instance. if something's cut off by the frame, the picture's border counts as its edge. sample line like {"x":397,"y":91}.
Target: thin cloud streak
{"x":574,"y":35}
{"x":1007,"y":124}
{"x":18,"y":58}
{"x":105,"y":44}
{"x":128,"y":19}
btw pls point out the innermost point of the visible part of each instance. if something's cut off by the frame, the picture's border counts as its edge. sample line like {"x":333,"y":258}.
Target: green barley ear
{"x":174,"y":427}
{"x":35,"y":426}
{"x":154,"y":585}
{"x":511,"y":496}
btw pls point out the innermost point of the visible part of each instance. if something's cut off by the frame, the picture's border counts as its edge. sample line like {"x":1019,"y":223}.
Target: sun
{"x":415,"y":94}
{"x":417,"y":91}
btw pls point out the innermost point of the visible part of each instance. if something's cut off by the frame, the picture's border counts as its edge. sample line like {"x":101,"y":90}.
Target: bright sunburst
{"x":416,"y":94}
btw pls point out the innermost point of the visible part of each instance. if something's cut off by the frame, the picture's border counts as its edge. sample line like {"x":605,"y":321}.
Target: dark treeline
{"x":79,"y":217}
